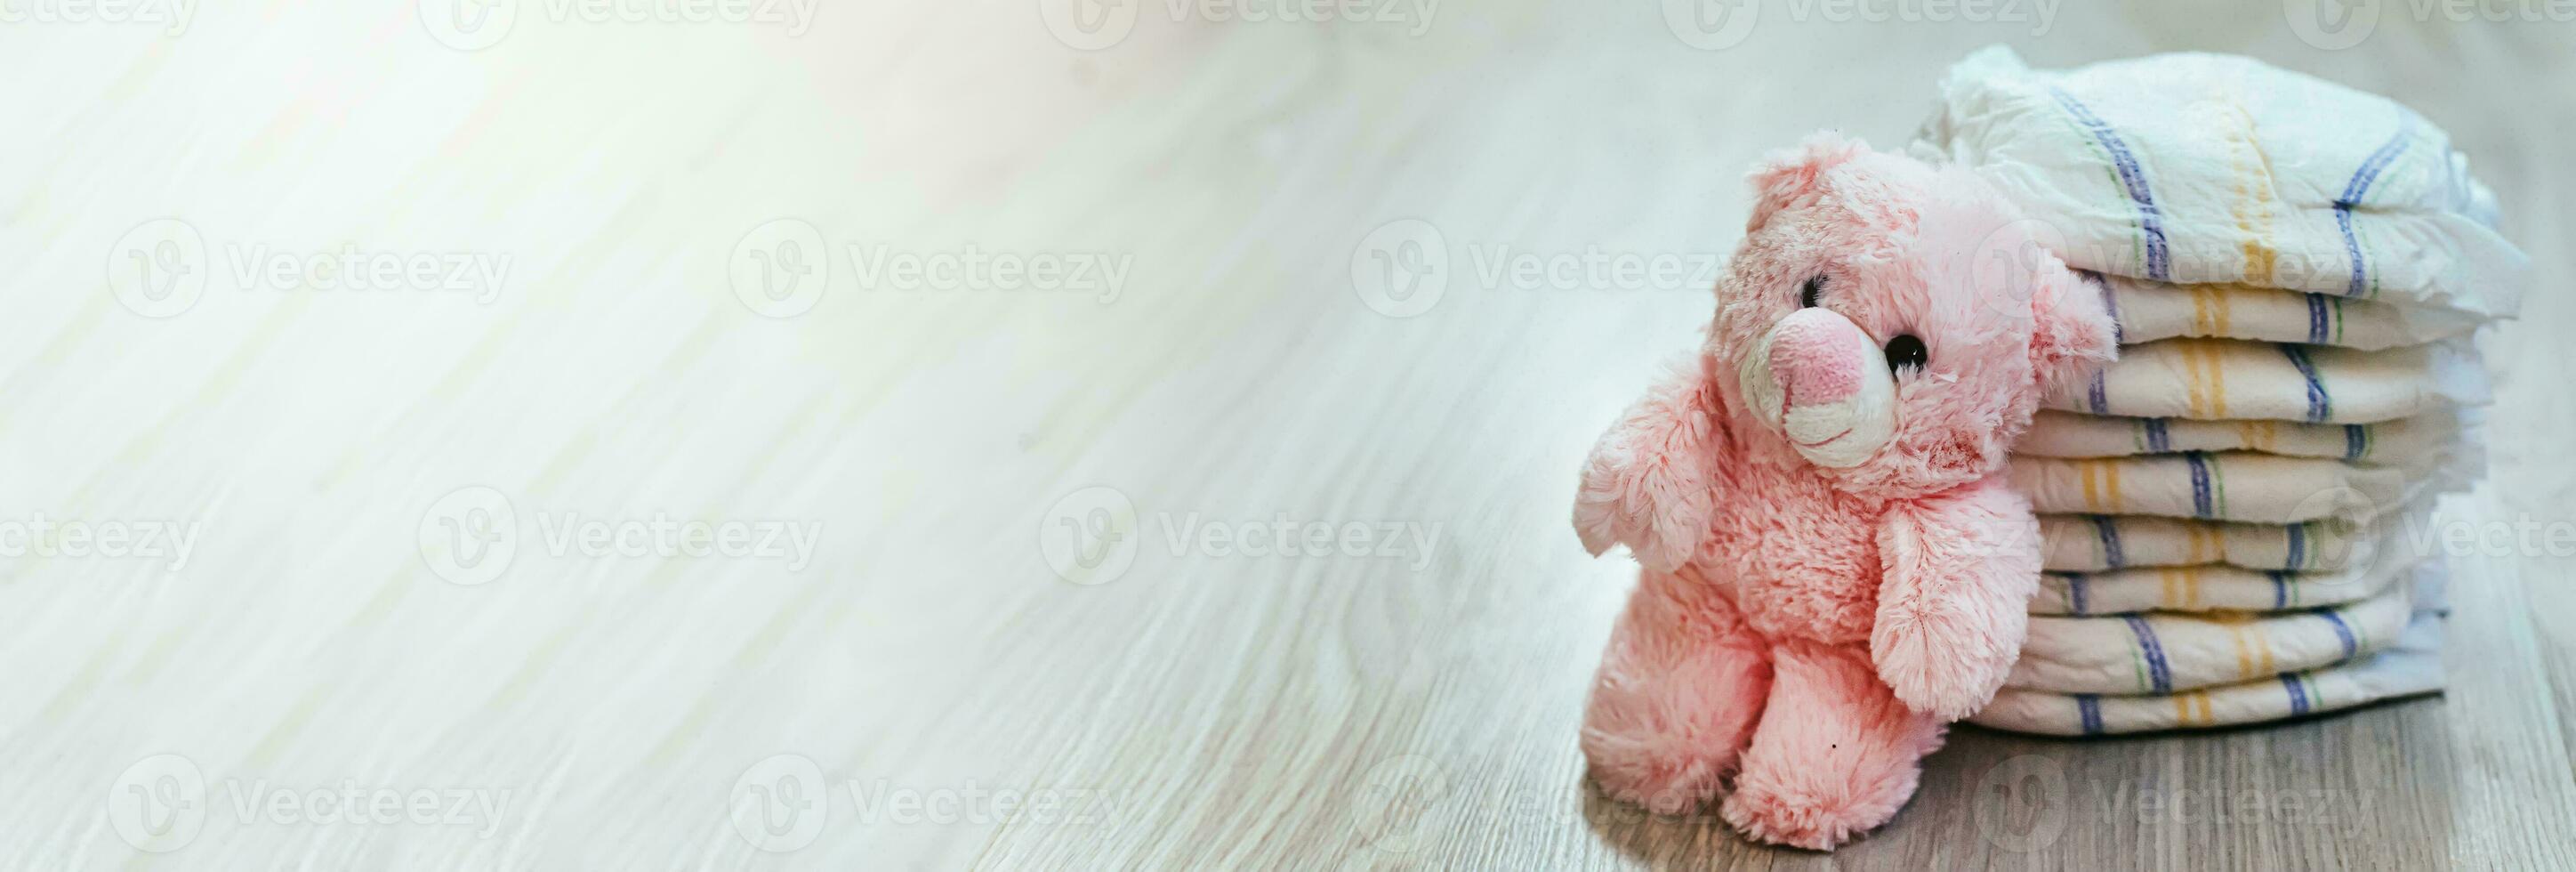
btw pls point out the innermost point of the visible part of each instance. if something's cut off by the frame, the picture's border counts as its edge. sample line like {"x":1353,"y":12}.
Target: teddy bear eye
{"x":1906,"y":350}
{"x":1808,"y":292}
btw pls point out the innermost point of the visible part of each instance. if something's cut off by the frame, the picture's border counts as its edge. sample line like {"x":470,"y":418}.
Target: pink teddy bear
{"x":1834,"y":568}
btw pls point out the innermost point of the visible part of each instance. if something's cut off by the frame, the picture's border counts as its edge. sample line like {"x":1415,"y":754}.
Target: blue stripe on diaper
{"x":2298,"y":694}
{"x":2356,"y":441}
{"x":2075,"y":592}
{"x":2280,"y":590}
{"x":2088,"y":708}
{"x":2318,"y":319}
{"x":2354,"y":190}
{"x":2158,"y":441}
{"x":2298,"y":547}
{"x":2098,"y":395}
{"x":2133,"y":178}
{"x":2342,"y":630}
{"x":2159,"y":674}
{"x":2199,"y":484}
{"x":2319,"y":405}
{"x":2110,"y":304}
{"x":2110,"y":541}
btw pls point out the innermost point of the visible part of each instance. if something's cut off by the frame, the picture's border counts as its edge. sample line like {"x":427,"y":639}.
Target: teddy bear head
{"x":1895,"y":323}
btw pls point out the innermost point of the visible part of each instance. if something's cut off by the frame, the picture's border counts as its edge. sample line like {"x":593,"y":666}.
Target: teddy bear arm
{"x":1647,"y":483}
{"x":1959,"y":570}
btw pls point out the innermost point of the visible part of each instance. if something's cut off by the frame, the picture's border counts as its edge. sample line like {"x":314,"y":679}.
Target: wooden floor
{"x":1222,"y":354}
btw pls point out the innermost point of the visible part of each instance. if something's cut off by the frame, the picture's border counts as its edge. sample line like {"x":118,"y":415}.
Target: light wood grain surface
{"x":1155,"y":699}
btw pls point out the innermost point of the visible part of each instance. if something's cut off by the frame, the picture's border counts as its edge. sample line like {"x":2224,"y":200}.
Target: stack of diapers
{"x":2298,"y":272}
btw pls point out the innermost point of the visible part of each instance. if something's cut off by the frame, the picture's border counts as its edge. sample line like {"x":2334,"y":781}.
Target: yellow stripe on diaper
{"x":2217,"y":379}
{"x":2181,"y":587}
{"x":2195,"y":389}
{"x":2191,"y":708}
{"x":2253,"y":649}
{"x":2259,"y":435}
{"x":2205,"y":377}
{"x":2101,"y":479}
{"x":2210,"y":311}
{"x":2254,"y":219}
{"x":2253,"y":191}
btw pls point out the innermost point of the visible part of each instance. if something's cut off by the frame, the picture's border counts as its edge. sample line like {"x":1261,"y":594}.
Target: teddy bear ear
{"x":1789,"y":176}
{"x":2073,"y":332}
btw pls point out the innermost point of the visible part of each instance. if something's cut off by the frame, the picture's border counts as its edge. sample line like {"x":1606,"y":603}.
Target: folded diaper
{"x":2094,"y":543}
{"x":2412,"y":666}
{"x":2206,"y":168}
{"x":2147,"y":311}
{"x":2211,"y":587}
{"x":2217,"y":379}
{"x":2244,"y":486}
{"x":2070,"y":435}
{"x":2161,"y":652}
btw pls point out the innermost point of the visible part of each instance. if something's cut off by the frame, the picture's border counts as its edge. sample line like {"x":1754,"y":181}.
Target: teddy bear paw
{"x":1665,"y":787}
{"x":1815,"y":820}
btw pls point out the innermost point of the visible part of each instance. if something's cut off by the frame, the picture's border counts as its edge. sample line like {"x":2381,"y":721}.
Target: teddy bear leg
{"x":1835,"y":755}
{"x":1679,"y":690}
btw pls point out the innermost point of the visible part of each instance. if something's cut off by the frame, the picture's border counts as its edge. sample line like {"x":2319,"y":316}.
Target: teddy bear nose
{"x":1817,"y":356}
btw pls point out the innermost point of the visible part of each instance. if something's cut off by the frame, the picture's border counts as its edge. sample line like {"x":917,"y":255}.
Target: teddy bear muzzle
{"x":1819,"y":381}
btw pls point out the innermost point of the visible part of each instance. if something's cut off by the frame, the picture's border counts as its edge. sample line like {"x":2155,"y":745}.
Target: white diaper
{"x":2201,"y":168}
{"x":2164,"y":652}
{"x":2209,"y":587}
{"x":2146,"y":311}
{"x":2096,"y":543}
{"x":2219,"y":379}
{"x":2243,"y":486}
{"x":2410,"y":667}
{"x":2070,"y":435}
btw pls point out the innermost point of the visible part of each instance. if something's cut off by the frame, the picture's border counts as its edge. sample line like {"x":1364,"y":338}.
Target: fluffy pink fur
{"x":1802,"y":631}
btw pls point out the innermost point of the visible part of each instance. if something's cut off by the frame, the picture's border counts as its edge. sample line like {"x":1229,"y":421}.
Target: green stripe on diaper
{"x":2369,"y":258}
{"x":2138,"y":662}
{"x":2338,"y":320}
{"x":2218,"y":484}
{"x":2119,"y":188}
